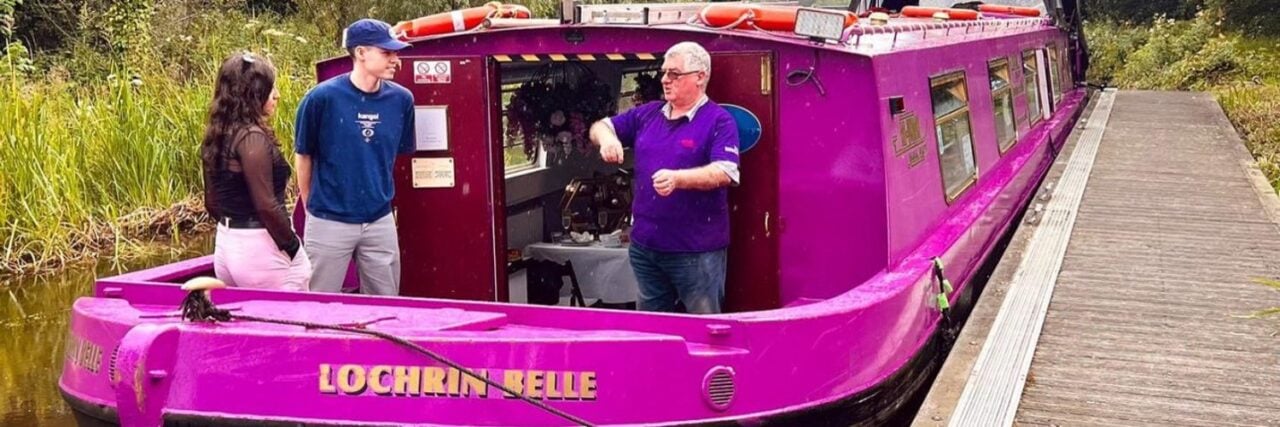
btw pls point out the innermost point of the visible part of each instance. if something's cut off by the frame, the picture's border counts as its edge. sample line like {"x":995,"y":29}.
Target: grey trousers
{"x":330,"y":245}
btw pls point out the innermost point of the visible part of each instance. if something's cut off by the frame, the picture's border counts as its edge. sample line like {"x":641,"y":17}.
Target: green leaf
{"x":1272,"y":283}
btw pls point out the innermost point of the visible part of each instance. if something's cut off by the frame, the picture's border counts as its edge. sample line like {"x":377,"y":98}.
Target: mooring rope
{"x":197,"y":307}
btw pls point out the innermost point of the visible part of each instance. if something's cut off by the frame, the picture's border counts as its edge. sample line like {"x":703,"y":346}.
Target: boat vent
{"x":112,"y":374}
{"x":719,"y":387}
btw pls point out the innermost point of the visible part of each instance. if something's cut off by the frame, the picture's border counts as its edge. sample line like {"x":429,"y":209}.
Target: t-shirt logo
{"x":367,"y":122}
{"x":687,"y":143}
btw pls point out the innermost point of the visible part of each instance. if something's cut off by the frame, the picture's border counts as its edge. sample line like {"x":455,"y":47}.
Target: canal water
{"x":33,"y":327}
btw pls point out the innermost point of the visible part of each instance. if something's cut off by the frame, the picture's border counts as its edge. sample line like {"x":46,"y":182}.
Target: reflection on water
{"x":33,"y":327}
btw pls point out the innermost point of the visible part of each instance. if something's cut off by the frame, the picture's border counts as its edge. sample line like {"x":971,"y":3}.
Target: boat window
{"x":1054,"y":74}
{"x":513,"y":155}
{"x":1002,"y":98}
{"x":1030,"y":86}
{"x":955,"y":142}
{"x":1065,"y":74}
{"x":638,"y":87}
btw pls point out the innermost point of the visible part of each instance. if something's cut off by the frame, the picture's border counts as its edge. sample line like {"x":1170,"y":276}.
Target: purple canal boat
{"x":881,"y":164}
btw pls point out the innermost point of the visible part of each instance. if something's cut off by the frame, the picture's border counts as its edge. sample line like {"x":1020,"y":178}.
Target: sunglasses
{"x":673,"y":74}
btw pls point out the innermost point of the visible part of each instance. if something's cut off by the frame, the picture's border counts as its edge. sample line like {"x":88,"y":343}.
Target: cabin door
{"x":448,"y":193}
{"x":744,"y":84}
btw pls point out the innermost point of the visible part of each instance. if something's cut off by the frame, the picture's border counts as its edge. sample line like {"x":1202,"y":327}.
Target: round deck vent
{"x":719,"y":387}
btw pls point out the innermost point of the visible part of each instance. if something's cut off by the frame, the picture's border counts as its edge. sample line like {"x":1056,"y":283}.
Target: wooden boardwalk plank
{"x":1145,"y":324}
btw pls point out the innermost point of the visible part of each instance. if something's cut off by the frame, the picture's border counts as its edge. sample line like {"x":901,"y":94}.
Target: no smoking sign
{"x":432,"y":72}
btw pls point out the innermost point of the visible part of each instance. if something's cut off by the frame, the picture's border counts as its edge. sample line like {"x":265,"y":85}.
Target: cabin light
{"x":879,"y":19}
{"x":615,"y":16}
{"x":636,"y":14}
{"x":819,"y":24}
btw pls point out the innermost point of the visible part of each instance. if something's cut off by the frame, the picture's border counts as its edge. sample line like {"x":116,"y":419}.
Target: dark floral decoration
{"x":556,"y":108}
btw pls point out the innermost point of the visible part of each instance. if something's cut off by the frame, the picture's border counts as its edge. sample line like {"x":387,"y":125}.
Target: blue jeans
{"x":694,"y":278}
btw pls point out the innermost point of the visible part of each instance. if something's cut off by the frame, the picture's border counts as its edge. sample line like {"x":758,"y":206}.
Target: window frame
{"x":622,"y":83}
{"x":1034,"y":115}
{"x":1068,"y":82}
{"x":935,"y":81}
{"x":538,"y":162}
{"x":1007,"y":91}
{"x":1055,"y":72}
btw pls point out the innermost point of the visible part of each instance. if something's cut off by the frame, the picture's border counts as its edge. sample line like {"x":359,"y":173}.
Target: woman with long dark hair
{"x":245,"y":176}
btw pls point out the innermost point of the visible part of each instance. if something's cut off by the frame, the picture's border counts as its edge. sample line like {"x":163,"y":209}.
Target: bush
{"x":1109,"y":46}
{"x":1170,"y":55}
{"x":1182,"y":55}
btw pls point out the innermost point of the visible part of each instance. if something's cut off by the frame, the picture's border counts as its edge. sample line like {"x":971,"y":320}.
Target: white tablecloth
{"x":603,"y":273}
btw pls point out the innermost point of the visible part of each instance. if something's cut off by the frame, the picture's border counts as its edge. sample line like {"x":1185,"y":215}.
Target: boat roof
{"x":863,"y":38}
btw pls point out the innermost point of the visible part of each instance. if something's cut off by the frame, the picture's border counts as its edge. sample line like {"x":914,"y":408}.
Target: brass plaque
{"x":908,"y":133}
{"x":432,"y":173}
{"x":916,"y":156}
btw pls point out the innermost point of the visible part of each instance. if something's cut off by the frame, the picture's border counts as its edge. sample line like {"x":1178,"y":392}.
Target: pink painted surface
{"x":857,"y":229}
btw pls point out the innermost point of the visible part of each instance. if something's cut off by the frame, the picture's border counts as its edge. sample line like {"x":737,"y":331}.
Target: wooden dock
{"x":1127,"y":303}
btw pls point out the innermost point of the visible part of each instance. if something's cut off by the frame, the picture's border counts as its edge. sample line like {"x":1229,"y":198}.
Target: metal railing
{"x":857,"y":31}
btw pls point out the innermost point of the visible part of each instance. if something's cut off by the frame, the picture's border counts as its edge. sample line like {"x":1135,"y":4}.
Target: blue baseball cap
{"x":370,"y":32}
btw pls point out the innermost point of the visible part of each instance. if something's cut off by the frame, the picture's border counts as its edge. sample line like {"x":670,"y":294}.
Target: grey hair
{"x":695,"y":57}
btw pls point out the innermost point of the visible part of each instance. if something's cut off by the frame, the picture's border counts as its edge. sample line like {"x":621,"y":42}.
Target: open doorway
{"x":511,"y":181}
{"x":568,"y":212}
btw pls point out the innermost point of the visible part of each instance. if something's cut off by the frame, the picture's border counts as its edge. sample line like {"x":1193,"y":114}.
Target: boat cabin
{"x":854,"y":148}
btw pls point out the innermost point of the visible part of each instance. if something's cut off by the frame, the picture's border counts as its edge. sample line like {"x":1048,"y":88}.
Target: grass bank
{"x":99,"y":150}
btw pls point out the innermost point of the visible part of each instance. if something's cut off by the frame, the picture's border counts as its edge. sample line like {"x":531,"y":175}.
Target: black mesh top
{"x":248,"y":182}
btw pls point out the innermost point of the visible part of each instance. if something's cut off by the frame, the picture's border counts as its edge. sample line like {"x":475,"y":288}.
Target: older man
{"x":686,"y":150}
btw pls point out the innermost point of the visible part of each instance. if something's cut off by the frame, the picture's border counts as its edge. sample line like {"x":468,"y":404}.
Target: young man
{"x":349,"y":131}
{"x":687,"y":148}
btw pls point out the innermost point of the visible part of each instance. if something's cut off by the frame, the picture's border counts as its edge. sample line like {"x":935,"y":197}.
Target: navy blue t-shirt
{"x":353,"y":138}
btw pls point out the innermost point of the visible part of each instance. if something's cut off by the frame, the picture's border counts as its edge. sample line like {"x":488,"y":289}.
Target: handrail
{"x":866,"y":29}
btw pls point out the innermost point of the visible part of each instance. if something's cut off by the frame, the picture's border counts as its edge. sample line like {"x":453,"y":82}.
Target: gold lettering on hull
{"x":435,"y":381}
{"x":83,"y":353}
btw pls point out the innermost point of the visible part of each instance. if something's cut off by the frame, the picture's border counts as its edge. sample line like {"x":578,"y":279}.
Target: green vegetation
{"x":103,"y":103}
{"x":99,"y":139}
{"x":1201,"y":53}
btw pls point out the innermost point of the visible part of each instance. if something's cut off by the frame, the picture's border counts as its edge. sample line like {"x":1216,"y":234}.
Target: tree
{"x":1140,"y":11}
{"x":1256,"y":17}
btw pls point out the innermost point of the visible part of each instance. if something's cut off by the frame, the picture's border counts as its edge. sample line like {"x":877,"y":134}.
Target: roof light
{"x":819,"y":24}
{"x":638,"y":14}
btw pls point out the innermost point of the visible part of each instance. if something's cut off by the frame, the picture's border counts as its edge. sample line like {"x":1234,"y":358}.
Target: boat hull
{"x":877,"y":405}
{"x":132,"y":362}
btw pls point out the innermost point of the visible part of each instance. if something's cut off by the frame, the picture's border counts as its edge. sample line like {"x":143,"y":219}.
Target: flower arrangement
{"x":556,"y":108}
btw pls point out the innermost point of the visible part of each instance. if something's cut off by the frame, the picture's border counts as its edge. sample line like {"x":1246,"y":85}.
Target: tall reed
{"x":100,"y":151}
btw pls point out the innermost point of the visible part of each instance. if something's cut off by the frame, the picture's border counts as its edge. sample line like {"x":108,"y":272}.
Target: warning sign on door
{"x":432,"y":72}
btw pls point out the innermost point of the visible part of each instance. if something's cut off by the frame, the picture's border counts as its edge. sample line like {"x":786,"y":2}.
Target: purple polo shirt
{"x":685,"y":220}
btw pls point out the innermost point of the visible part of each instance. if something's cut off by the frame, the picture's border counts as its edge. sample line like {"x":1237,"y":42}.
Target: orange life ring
{"x":763,"y":17}
{"x":928,"y":12}
{"x":458,"y":20}
{"x":1009,"y":10}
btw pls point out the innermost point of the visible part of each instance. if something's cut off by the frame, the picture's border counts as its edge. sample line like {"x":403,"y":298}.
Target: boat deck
{"x":1125,"y":301}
